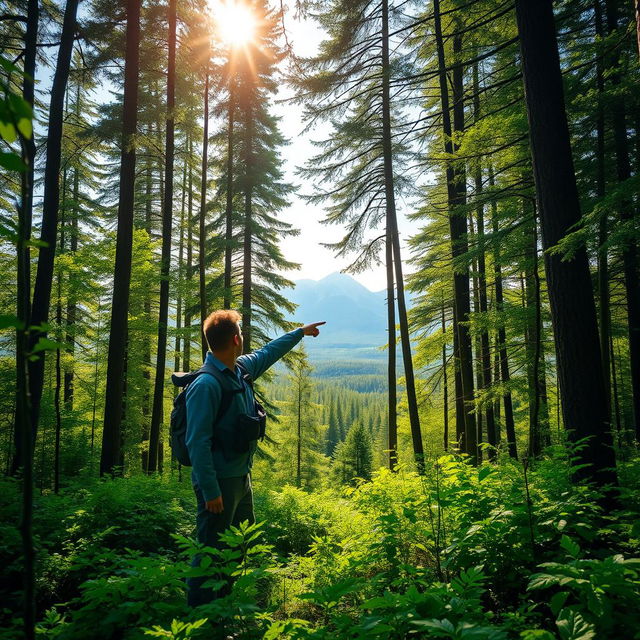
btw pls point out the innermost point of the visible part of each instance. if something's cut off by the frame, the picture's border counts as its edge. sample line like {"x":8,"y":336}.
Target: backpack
{"x":178,"y":422}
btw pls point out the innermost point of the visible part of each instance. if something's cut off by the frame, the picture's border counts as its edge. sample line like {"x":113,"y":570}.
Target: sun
{"x":235,"y":22}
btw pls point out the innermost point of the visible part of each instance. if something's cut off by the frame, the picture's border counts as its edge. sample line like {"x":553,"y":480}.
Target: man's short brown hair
{"x":220,"y":327}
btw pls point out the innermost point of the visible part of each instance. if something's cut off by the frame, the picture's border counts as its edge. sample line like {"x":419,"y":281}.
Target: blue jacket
{"x":203,"y":399}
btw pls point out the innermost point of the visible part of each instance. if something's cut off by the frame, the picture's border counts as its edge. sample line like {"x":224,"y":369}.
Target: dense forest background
{"x":479,"y":477}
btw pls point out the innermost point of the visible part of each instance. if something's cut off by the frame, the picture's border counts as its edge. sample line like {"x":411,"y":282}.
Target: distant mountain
{"x":356,"y":317}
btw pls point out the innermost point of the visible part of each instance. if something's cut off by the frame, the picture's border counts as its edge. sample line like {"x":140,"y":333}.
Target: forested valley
{"x":478,"y":480}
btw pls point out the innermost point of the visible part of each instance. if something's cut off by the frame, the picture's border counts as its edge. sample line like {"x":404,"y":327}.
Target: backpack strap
{"x":228,"y":389}
{"x":246,"y":376}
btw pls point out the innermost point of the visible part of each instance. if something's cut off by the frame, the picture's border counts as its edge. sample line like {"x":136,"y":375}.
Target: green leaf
{"x":9,"y":67}
{"x":571,"y":547}
{"x":44,"y":344}
{"x":485,"y":472}
{"x":20,"y":107}
{"x":11,"y":161}
{"x":537,"y":634}
{"x":7,"y":321}
{"x":572,"y":626}
{"x":557,"y":602}
{"x":25,"y":127}
{"x":541,"y":581}
{"x":8,"y":132}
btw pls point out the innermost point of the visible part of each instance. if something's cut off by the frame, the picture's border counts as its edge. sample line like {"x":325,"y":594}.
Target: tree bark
{"x":186,"y":359}
{"x":392,"y":414}
{"x":299,"y":434}
{"x":247,"y":249}
{"x":603,"y":232}
{"x":23,"y":438}
{"x":482,"y":282}
{"x":111,"y":435}
{"x":228,"y":214}
{"x":180,"y":300}
{"x":573,"y":310}
{"x":509,"y":422}
{"x":456,"y":196}
{"x":146,"y":357}
{"x":445,"y":388}
{"x":165,"y":260}
{"x":392,"y":225}
{"x":630,"y":250}
{"x":51,"y":201}
{"x":71,"y":296}
{"x":203,"y":210}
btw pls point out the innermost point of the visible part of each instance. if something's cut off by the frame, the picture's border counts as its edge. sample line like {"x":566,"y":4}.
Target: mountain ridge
{"x":356,"y":316}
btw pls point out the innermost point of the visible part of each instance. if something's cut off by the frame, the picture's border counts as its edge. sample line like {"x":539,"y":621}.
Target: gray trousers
{"x":237,"y":500}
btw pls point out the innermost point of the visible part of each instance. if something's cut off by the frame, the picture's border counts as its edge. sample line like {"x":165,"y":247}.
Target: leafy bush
{"x":491,"y":552}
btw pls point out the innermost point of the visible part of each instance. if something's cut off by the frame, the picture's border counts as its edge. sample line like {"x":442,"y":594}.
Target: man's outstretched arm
{"x":259,"y":361}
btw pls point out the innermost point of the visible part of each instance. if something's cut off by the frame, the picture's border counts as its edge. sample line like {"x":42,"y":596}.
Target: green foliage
{"x":591,"y":597}
{"x":353,"y":458}
{"x":456,"y":553}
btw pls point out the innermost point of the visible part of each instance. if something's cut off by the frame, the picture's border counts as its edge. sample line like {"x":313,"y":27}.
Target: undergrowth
{"x":461,"y":552}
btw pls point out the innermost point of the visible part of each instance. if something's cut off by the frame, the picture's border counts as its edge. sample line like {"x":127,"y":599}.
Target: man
{"x":220,"y":473}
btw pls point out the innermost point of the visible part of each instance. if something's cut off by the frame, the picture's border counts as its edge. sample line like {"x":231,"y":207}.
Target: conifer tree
{"x":353,"y":458}
{"x":248,"y":240}
{"x":349,"y":84}
{"x":111,"y":437}
{"x":51,"y":201}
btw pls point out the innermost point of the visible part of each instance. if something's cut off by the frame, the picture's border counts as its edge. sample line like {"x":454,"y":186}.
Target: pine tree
{"x":353,"y":458}
{"x":362,"y":158}
{"x":111,"y":438}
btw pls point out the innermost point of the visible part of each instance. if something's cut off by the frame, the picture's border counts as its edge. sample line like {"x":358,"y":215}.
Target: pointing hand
{"x":312,"y":329}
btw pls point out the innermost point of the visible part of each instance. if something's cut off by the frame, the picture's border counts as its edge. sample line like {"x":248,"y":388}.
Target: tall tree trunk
{"x":23,"y":436}
{"x":445,"y":388}
{"x":51,"y":201}
{"x":71,"y":296}
{"x":616,"y":402}
{"x":111,"y":434}
{"x":228,"y":214}
{"x":533,"y":336}
{"x":509,"y":422}
{"x":203,"y":210}
{"x":56,"y":397}
{"x":456,"y":197}
{"x":124,"y":406}
{"x":477,"y":344}
{"x":392,"y":414}
{"x":180,"y":301}
{"x":630,"y":250}
{"x":603,"y":258}
{"x":573,"y":310}
{"x":165,"y":260}
{"x":247,"y":249}
{"x":56,"y":400}
{"x":482,"y":281}
{"x":23,"y":259}
{"x":186,"y":359}
{"x":299,"y":435}
{"x":146,"y":357}
{"x":457,"y":384}
{"x":392,"y":223}
{"x":71,"y":301}
{"x":95,"y":383}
